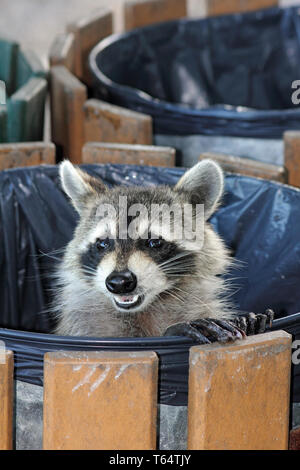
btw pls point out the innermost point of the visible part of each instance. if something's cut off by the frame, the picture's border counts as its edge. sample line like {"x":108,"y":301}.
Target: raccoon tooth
{"x":126,"y":299}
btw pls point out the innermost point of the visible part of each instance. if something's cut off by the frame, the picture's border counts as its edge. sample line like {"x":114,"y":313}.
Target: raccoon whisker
{"x":182,"y":272}
{"x":58,"y":250}
{"x":209,"y":256}
{"x":175,"y":262}
{"x":88,"y":267}
{"x":235,"y":291}
{"x":49,"y":256}
{"x":181,"y":275}
{"x":175,"y":296}
{"x":162,"y":306}
{"x":179,"y":268}
{"x":175,"y":266}
{"x":235,"y":278}
{"x":188,"y":265}
{"x":174,"y":258}
{"x":195,"y":297}
{"x":88,"y":270}
{"x":87,"y":291}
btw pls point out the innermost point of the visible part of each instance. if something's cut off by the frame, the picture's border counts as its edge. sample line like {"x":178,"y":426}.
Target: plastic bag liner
{"x":225,"y":75}
{"x":259,"y":220}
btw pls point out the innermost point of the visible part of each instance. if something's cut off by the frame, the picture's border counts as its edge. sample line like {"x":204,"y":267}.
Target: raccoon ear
{"x":78,"y":185}
{"x":204,"y":183}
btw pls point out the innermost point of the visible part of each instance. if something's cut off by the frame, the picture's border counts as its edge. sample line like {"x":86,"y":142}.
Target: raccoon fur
{"x":123,"y":287}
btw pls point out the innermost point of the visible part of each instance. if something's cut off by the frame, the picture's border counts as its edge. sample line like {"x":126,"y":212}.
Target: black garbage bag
{"x":228,"y":75}
{"x":259,"y":220}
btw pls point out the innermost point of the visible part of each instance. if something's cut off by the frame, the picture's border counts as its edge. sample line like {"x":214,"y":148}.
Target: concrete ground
{"x":35,"y":23}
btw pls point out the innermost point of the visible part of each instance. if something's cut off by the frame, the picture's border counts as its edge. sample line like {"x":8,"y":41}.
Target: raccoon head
{"x":126,"y":249}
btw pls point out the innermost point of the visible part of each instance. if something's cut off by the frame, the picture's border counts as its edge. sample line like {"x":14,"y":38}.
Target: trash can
{"x":22,"y":116}
{"x":220,"y":84}
{"x":37,"y":220}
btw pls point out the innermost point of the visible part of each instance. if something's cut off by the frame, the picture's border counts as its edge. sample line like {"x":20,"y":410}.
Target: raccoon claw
{"x":218,"y":330}
{"x":206,"y":330}
{"x":253,"y":324}
{"x":186,"y":329}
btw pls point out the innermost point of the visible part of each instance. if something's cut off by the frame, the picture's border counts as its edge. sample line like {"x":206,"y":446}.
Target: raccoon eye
{"x":154,"y":243}
{"x":102,"y":244}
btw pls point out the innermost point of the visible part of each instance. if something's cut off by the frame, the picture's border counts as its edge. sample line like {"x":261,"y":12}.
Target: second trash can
{"x":212,"y":84}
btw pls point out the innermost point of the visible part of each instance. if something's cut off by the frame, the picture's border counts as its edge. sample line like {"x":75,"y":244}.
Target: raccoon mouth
{"x":128,"y":301}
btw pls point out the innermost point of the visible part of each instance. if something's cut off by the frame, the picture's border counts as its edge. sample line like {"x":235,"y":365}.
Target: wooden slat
{"x":247,"y":166}
{"x":95,"y":152}
{"x":68,"y":96}
{"x":62,"y":51}
{"x":8,"y":64}
{"x":239,"y":394}
{"x":25,"y":117}
{"x":292,"y":156}
{"x":28,"y":66}
{"x":26,"y":154}
{"x":87,"y":33}
{"x":6,"y":399}
{"x":100,"y":400}
{"x":221,"y":7}
{"x":137,"y":13}
{"x":105,"y":122}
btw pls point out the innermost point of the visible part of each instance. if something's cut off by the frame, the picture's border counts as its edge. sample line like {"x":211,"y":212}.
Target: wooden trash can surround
{"x":288,"y":173}
{"x":238,"y":397}
{"x":6,"y":399}
{"x":102,"y":152}
{"x":26,"y":154}
{"x":22,"y":116}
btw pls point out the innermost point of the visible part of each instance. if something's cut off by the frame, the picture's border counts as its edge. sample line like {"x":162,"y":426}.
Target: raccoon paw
{"x":206,"y":331}
{"x":254,"y":323}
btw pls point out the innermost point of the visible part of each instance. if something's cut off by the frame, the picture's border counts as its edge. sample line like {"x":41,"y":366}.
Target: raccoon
{"x":111,"y":284}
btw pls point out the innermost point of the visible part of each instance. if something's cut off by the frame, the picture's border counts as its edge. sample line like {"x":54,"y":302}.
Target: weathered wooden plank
{"x":221,"y":7}
{"x":100,"y":400}
{"x":97,"y":152}
{"x":105,"y":122}
{"x":239,"y":394}
{"x":8,"y":64}
{"x":292,"y":156}
{"x":139,"y":13}
{"x":88,"y":32}
{"x":62,"y":51}
{"x":247,"y":166}
{"x":25,"y":112}
{"x":26,"y":154}
{"x":28,"y":66}
{"x":6,"y":399}
{"x":68,"y":96}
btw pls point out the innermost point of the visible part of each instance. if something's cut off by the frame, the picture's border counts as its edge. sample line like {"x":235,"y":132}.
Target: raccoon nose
{"x":121,"y":282}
